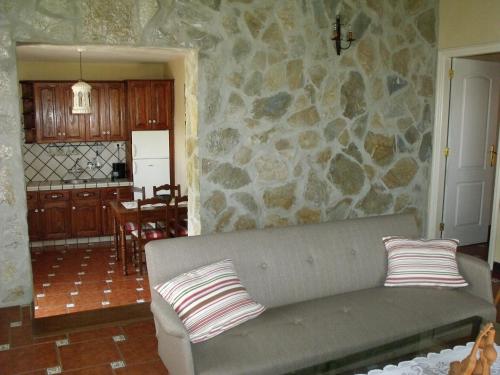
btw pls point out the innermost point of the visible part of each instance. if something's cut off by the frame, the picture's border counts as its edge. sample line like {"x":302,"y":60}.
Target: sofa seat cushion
{"x":289,"y":337}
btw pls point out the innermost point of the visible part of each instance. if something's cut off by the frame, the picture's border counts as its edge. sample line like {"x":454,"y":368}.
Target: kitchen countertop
{"x":82,"y":184}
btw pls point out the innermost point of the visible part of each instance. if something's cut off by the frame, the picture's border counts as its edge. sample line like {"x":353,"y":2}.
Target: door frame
{"x":440,"y":134}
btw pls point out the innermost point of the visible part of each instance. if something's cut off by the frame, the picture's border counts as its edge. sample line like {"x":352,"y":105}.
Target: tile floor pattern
{"x":127,"y":349}
{"x":71,"y":279}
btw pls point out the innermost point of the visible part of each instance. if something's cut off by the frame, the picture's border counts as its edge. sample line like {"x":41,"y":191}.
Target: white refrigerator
{"x":150,"y":160}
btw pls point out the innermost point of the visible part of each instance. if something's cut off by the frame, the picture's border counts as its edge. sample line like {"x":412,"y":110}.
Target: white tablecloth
{"x":434,"y":363}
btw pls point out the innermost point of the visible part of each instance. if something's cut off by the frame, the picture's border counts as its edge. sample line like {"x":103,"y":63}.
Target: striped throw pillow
{"x":210,"y":300}
{"x":422,"y":263}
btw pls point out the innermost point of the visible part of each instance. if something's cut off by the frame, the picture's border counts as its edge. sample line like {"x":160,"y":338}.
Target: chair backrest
{"x":122,"y":196}
{"x":147,"y":213}
{"x":165,"y":188}
{"x":176,"y":190}
{"x":178,"y":199}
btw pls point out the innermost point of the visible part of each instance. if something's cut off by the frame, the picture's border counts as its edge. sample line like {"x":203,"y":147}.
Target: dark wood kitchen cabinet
{"x":74,"y":124}
{"x":34,"y":216}
{"x":85,"y":213}
{"x":48,"y":115}
{"x":150,"y":104}
{"x":108,"y":195}
{"x":55,"y":214}
{"x":54,"y":121}
{"x":59,"y":214}
{"x":107,"y":121}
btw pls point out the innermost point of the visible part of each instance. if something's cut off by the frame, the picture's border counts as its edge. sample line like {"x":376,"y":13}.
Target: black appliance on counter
{"x":119,"y":171}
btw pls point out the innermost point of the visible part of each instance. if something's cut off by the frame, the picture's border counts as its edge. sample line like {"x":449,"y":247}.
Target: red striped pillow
{"x":422,"y":263}
{"x":210,"y":300}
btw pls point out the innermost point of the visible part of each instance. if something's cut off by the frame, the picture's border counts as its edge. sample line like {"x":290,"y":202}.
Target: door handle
{"x":493,"y":156}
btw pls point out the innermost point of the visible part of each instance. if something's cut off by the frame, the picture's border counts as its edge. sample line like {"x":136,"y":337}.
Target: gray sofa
{"x":323,"y":287}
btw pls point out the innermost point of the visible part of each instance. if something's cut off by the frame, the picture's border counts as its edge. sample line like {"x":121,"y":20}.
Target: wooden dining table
{"x":123,"y":215}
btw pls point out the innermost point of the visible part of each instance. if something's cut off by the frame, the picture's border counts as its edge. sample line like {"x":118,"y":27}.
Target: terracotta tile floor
{"x":129,"y":348}
{"x":71,"y":279}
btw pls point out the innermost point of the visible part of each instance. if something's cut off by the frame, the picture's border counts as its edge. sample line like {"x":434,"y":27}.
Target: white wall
{"x":465,"y":23}
{"x":175,"y":70}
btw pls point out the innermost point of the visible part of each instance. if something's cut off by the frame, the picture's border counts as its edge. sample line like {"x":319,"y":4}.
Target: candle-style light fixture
{"x":81,"y":93}
{"x":338,"y":38}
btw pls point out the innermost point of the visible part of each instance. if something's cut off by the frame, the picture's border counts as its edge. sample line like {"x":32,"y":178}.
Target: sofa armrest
{"x":478,"y":275}
{"x":174,"y":346}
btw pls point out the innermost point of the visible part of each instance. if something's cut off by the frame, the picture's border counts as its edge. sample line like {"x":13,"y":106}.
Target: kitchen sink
{"x":76,"y":181}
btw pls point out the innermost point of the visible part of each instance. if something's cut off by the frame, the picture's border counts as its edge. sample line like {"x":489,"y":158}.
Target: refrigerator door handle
{"x":134,"y":150}
{"x":134,"y":168}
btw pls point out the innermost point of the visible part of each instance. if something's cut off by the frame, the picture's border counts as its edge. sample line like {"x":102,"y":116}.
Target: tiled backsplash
{"x":44,"y":162}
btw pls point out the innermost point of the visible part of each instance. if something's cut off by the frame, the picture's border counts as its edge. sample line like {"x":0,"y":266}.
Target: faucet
{"x":76,"y":170}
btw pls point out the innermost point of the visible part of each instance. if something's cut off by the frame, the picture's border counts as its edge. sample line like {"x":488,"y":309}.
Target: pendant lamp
{"x":81,"y":93}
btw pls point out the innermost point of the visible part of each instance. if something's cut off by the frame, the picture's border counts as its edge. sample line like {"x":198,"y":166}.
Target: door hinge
{"x":441,"y":227}
{"x":446,"y":151}
{"x":451,"y":73}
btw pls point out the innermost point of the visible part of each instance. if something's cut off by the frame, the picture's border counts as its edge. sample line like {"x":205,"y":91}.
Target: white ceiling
{"x":115,"y":54}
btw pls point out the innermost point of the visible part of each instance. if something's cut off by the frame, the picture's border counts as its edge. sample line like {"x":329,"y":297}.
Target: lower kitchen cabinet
{"x":55,"y":214}
{"x":85,"y":213}
{"x":108,"y":195}
{"x":60,"y":214}
{"x":34,"y":216}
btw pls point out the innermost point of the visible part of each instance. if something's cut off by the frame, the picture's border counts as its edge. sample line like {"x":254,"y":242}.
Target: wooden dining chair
{"x":147,"y":211}
{"x":124,"y":195}
{"x":130,"y":226}
{"x":163,"y":190}
{"x":179,"y":223}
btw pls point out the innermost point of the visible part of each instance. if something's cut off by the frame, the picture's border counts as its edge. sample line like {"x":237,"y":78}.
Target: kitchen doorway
{"x":463,"y":200}
{"x":74,"y":273}
{"x":471,"y":149}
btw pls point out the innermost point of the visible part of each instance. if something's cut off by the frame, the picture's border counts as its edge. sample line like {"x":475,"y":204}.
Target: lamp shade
{"x":81,"y":97}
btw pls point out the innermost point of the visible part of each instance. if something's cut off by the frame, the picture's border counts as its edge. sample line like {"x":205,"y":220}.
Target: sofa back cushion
{"x":280,"y":266}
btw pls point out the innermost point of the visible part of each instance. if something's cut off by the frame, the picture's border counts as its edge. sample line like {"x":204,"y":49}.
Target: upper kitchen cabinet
{"x":54,"y":121}
{"x":107,"y":120}
{"x":75,"y":124}
{"x":151,"y":104}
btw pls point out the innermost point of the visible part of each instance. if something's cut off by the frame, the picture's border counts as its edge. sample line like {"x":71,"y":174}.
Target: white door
{"x":473,"y":124}
{"x":149,"y":173}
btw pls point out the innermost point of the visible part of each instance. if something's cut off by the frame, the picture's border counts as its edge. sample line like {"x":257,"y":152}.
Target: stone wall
{"x":280,"y":130}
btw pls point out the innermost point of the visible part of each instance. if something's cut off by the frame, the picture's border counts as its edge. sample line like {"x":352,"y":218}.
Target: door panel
{"x":474,"y":104}
{"x":475,"y":126}
{"x":34,"y":224}
{"x":75,"y":124}
{"x":106,"y":219}
{"x":469,"y":202}
{"x":47,"y":121}
{"x":139,"y":104}
{"x":159,"y":97}
{"x":56,"y":220}
{"x":86,"y":219}
{"x":117,"y":126}
{"x":96,"y":126}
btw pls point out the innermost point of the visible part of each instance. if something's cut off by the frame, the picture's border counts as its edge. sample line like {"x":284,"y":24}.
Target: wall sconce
{"x":337,"y":36}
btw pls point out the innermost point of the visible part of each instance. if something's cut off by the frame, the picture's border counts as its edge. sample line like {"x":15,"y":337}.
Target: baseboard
{"x":54,"y":325}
